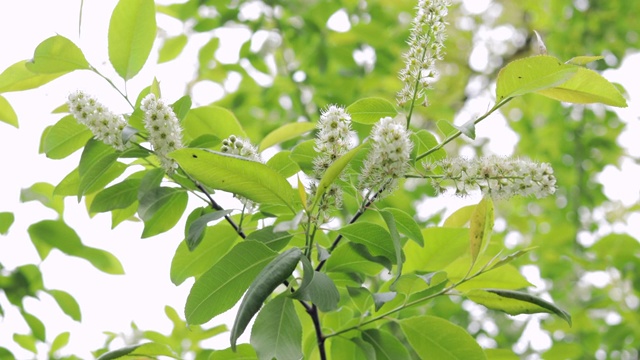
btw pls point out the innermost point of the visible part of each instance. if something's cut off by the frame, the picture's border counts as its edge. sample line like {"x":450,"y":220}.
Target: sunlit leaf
{"x":146,"y":350}
{"x":161,"y":208}
{"x":583,"y":60}
{"x":17,"y":78}
{"x":44,"y":193}
{"x":371,"y":110}
{"x":442,"y":246}
{"x":7,"y":114}
{"x":67,"y":304}
{"x":37,"y":327}
{"x":387,"y":346}
{"x":286,"y":132}
{"x":55,"y":55}
{"x":436,"y":338}
{"x":407,"y":225}
{"x":481,"y":227}
{"x":65,"y":137}
{"x":59,"y":342}
{"x":171,"y":48}
{"x":586,"y":87}
{"x":241,"y":352}
{"x":132,"y":30}
{"x":277,"y":332}
{"x":27,"y":342}
{"x":251,"y":179}
{"x":6,"y":220}
{"x":97,"y":157}
{"x":118,"y":196}
{"x":212,"y":120}
{"x":460,"y":217}
{"x":333,"y":172}
{"x":514,"y":302}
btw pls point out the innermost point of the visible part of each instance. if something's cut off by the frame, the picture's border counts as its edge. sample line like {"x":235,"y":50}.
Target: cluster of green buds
{"x":241,"y":147}
{"x":494,"y":176}
{"x":103,"y":123}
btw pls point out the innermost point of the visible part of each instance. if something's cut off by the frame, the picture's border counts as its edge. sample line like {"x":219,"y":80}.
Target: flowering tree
{"x":325,"y":247}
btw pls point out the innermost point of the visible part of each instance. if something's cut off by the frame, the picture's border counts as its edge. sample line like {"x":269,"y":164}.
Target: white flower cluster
{"x":332,"y":141}
{"x":496,"y":176}
{"x":388,"y":157}
{"x":165,"y":132}
{"x":241,"y":147}
{"x":104,"y":124}
{"x":426,"y":44}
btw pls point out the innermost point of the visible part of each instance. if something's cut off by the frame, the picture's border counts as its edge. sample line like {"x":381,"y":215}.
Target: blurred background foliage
{"x":304,"y":55}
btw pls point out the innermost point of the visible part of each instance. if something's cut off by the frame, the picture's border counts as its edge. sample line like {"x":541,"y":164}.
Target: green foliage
{"x":383,"y":281}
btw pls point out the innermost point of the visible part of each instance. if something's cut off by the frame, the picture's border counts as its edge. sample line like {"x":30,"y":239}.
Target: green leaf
{"x":65,"y":137}
{"x":277,"y":271}
{"x":147,"y":350}
{"x":6,"y":354}
{"x":586,"y":87}
{"x":6,"y":220}
{"x":36,"y":326}
{"x":468,"y":129}
{"x":480,"y":228}
{"x":286,"y":132}
{"x":425,"y":141}
{"x":343,"y":348}
{"x":96,"y":159}
{"x":132,"y":30}
{"x":382,"y":298}
{"x":67,"y":303}
{"x":505,"y":354}
{"x":371,"y":110}
{"x":376,"y":238}
{"x":218,"y":240}
{"x":218,"y":289}
{"x":211,"y":120}
{"x":44,"y":193}
{"x":171,"y":48}
{"x":59,"y":342}
{"x":505,"y":277}
{"x":274,"y":240}
{"x":406,"y":225}
{"x":509,"y":258}
{"x":27,"y":342}
{"x":57,"y":54}
{"x":304,"y":154}
{"x":441,"y":247}
{"x":181,"y":107}
{"x":514,"y":302}
{"x":242,"y":352}
{"x":395,"y":239}
{"x":387,"y":346}
{"x":282,"y":163}
{"x":583,"y":60}
{"x":195,"y":234}
{"x":436,"y":338}
{"x":277,"y":332}
{"x":118,"y":196}
{"x":161,"y":208}
{"x":150,"y":181}
{"x":17,"y":78}
{"x":530,"y":75}
{"x":49,"y":234}
{"x":333,"y":172}
{"x":251,"y":179}
{"x":321,"y":291}
{"x":460,"y":217}
{"x":7,"y":114}
{"x":345,"y":259}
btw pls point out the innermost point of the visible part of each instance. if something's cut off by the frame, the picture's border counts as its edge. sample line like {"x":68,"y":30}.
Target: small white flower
{"x":165,"y":132}
{"x":241,"y":147}
{"x":388,"y":157}
{"x":104,"y":124}
{"x":496,"y":176}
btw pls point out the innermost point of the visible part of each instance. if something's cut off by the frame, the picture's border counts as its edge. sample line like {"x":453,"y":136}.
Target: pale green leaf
{"x":171,"y":48}
{"x":395,"y":239}
{"x":44,"y":193}
{"x":333,"y":172}
{"x":371,"y":110}
{"x":211,"y":120}
{"x":57,"y":54}
{"x":442,"y":246}
{"x":481,"y":227}
{"x":277,"y":332}
{"x":7,"y":114}
{"x":286,"y":132}
{"x":6,"y":220}
{"x":118,"y":196}
{"x":67,"y":304}
{"x":65,"y":137}
{"x":132,"y":30}
{"x":161,"y":208}
{"x":514,"y":302}
{"x":460,"y":217}
{"x":251,"y":179}
{"x":530,"y":75}
{"x":27,"y":342}
{"x":146,"y":350}
{"x":387,"y":346}
{"x":37,"y":327}
{"x":218,"y":289}
{"x":17,"y":78}
{"x":242,"y":352}
{"x":586,"y":87}
{"x":438,"y":339}
{"x":282,"y":163}
{"x":583,"y":60}
{"x":59,"y":342}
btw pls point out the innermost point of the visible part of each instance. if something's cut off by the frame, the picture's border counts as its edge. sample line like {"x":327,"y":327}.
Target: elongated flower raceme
{"x":332,"y":141}
{"x":426,"y":44}
{"x":165,"y":132}
{"x":104,"y":124}
{"x":388,"y":158}
{"x":496,"y":176}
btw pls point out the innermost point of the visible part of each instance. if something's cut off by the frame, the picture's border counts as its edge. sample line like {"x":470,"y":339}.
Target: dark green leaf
{"x":132,"y":30}
{"x":118,"y":196}
{"x":395,"y":238}
{"x":150,"y":181}
{"x":387,"y":346}
{"x":277,"y":332}
{"x":406,"y":225}
{"x":374,"y":237}
{"x":274,"y":240}
{"x":218,"y":289}
{"x":262,"y":286}
{"x":196,"y":229}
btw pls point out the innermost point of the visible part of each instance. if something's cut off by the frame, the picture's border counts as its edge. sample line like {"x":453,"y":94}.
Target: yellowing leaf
{"x":481,"y":227}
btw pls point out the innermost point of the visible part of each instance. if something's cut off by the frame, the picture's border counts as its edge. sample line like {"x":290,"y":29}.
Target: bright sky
{"x":111,"y":303}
